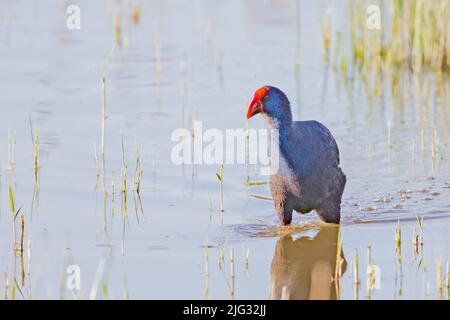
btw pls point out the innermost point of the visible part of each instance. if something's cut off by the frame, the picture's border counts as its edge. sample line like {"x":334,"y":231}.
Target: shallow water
{"x":202,"y":60}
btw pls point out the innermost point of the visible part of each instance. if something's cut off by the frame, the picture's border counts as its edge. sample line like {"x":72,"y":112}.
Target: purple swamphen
{"x":309,"y":177}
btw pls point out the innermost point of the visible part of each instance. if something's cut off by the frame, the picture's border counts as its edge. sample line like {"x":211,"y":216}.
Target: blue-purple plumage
{"x":309,"y":177}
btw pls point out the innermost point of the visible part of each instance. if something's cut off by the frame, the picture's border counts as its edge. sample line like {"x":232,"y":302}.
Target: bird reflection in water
{"x":304,"y":268}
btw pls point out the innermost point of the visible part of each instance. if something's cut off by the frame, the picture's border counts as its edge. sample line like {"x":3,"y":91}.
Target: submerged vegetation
{"x":413,"y":35}
{"x":220,"y":177}
{"x":409,"y":51}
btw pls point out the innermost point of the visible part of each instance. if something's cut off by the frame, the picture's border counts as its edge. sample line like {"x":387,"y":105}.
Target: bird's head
{"x":271,"y":102}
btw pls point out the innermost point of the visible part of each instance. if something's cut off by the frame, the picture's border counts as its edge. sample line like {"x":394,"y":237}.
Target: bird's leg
{"x":284,"y":211}
{"x":330,"y":212}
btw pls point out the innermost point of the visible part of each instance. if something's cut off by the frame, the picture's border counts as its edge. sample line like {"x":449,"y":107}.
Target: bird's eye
{"x":266,"y":96}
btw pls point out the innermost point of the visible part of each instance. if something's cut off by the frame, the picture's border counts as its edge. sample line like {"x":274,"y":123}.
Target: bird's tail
{"x":343,"y":181}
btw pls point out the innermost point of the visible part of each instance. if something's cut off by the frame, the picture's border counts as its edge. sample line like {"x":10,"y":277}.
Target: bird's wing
{"x":314,"y":147}
{"x":328,"y":139}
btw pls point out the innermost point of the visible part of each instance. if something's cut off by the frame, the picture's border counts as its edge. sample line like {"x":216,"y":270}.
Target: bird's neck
{"x":280,"y":124}
{"x":282,"y":131}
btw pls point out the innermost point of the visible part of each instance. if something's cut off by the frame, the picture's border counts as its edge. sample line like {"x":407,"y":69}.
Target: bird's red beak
{"x":256,"y":106}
